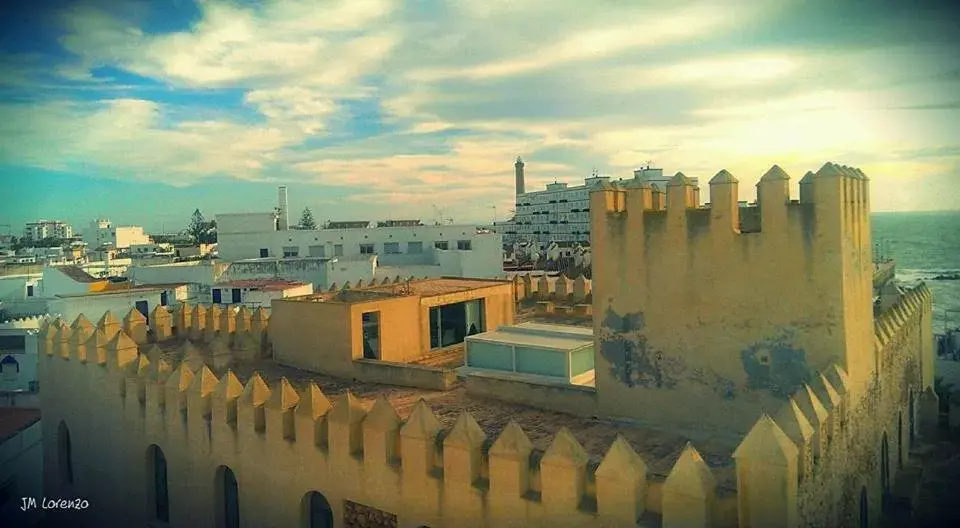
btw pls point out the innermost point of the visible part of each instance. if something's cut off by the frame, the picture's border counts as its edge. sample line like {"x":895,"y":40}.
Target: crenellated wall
{"x":804,"y":465}
{"x":282,"y":443}
{"x":709,"y":323}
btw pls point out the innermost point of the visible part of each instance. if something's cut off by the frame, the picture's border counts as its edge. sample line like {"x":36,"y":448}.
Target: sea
{"x":924,"y":246}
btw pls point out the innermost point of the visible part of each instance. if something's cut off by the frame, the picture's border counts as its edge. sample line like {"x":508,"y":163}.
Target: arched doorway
{"x":864,"y":508}
{"x":158,"y":496}
{"x":64,"y":453}
{"x":227,"y":501}
{"x":317,"y":512}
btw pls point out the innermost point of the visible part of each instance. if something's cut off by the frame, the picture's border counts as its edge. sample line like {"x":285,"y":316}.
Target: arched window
{"x":157,"y":491}
{"x":227,"y":500}
{"x":9,"y":368}
{"x":317,"y":511}
{"x":885,"y":464}
{"x":864,"y":509}
{"x":64,"y":454}
{"x":900,"y":441}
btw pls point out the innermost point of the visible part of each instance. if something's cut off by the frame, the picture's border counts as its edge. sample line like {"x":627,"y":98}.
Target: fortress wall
{"x":282,"y":443}
{"x":710,"y":325}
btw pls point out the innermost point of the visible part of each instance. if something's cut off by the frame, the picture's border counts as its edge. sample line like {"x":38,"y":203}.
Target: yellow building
{"x":739,"y":368}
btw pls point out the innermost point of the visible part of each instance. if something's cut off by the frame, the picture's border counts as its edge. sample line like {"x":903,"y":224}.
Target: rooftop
{"x":76,"y":273}
{"x":147,"y":288}
{"x":556,"y":337}
{"x":14,"y":419}
{"x":418,"y":288}
{"x":263,"y":284}
{"x":659,"y":448}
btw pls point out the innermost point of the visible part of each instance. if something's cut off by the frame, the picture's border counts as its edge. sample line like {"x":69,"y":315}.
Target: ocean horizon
{"x":924,"y":245}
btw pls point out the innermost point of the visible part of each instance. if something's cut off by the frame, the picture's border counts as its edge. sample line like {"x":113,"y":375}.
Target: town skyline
{"x":379,"y":109}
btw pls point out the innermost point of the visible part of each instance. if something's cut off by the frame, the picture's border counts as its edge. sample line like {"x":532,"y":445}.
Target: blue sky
{"x":144,"y":111}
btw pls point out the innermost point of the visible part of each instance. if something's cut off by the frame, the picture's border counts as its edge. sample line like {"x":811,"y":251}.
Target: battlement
{"x":433,"y":458}
{"x":693,"y":310}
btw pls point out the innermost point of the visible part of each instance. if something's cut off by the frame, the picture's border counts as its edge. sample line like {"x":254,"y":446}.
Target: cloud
{"x":452,"y":92}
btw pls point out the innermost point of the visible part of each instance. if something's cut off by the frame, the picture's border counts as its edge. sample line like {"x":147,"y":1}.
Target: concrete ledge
{"x":404,"y":374}
{"x":514,"y":388}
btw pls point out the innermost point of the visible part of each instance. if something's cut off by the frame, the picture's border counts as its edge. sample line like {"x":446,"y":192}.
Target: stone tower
{"x":519,"y":171}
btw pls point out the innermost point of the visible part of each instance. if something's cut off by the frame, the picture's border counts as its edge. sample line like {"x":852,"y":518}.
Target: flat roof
{"x":15,"y":419}
{"x":414,"y":288}
{"x":659,"y":447}
{"x":558,"y":341}
{"x":135,"y":289}
{"x":263,"y":284}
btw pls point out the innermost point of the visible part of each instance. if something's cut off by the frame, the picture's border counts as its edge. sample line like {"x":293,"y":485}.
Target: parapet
{"x":560,"y":473}
{"x":832,"y":190}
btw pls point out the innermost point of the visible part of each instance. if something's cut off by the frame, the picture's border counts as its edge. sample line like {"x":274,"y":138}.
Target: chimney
{"x":282,"y":204}
{"x":519,"y":170}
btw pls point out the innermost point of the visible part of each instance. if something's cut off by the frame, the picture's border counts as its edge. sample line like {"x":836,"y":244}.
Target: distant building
{"x":41,"y":229}
{"x":407,"y":249}
{"x":257,"y":293}
{"x":151,"y":249}
{"x":103,"y":233}
{"x":561,"y":213}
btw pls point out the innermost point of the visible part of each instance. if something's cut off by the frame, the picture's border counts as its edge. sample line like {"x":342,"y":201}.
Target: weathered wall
{"x":709,"y":326}
{"x":187,"y":272}
{"x":557,"y":397}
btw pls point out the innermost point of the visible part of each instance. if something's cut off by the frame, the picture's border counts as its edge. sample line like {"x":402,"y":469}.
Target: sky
{"x":142,"y":111}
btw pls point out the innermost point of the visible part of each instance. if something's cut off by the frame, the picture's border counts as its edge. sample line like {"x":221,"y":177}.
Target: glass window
{"x":463,"y":245}
{"x":414,"y":247}
{"x":391,"y":248}
{"x":366,"y":249}
{"x":291,"y":251}
{"x":441,"y":244}
{"x":338,"y":250}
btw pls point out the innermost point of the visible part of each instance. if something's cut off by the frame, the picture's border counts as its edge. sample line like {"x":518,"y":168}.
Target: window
{"x":338,"y":250}
{"x":217,"y":299}
{"x":235,"y":296}
{"x":264,"y":252}
{"x":317,"y":251}
{"x":228,"y":503}
{"x":371,"y":335}
{"x":441,"y":244}
{"x":463,"y":245}
{"x":391,"y":248}
{"x":366,"y":249}
{"x":291,"y":251}
{"x":157,"y":491}
{"x":30,"y":290}
{"x":415,"y":248}
{"x":65,"y":455}
{"x":9,"y":368}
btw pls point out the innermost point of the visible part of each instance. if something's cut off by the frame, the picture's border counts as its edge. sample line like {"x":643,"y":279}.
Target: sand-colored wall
{"x":313,"y":336}
{"x":399,"y":320}
{"x":564,"y":398}
{"x":708,"y":325}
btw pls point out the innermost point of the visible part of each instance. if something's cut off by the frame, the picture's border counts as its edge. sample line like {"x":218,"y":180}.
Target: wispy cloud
{"x":453,"y":91}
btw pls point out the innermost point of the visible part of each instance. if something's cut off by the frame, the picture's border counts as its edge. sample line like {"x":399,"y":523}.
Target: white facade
{"x":561,"y":213}
{"x":445,"y":250}
{"x":103,"y":233}
{"x":256,"y":295}
{"x":36,"y":231}
{"x":18,"y":355}
{"x":20,"y":287}
{"x":150,"y":249}
{"x":94,"y":305}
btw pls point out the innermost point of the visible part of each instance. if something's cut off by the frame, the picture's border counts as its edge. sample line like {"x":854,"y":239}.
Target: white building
{"x":18,"y":361}
{"x":405,"y":250}
{"x":151,"y":249}
{"x":257,"y":293}
{"x":41,"y":229}
{"x":103,"y":233}
{"x":561,"y":213}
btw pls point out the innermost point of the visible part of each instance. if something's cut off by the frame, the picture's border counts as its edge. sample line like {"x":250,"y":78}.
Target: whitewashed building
{"x":102,"y":232}
{"x":357,"y":253}
{"x":561,"y":213}
{"x":257,"y":293}
{"x":41,"y":229}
